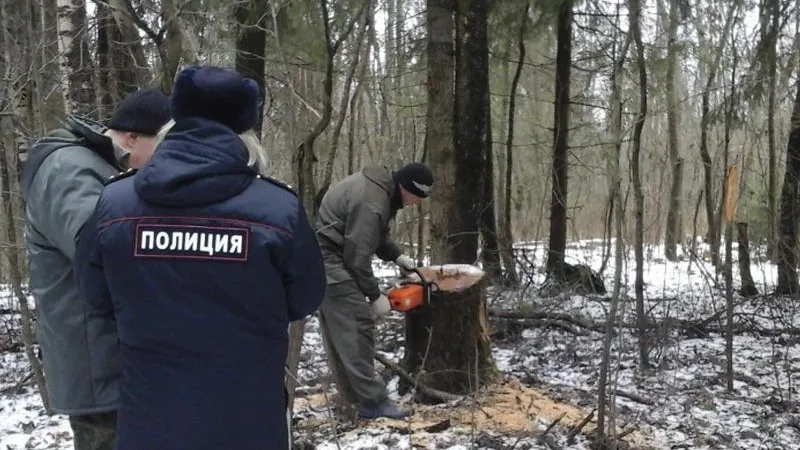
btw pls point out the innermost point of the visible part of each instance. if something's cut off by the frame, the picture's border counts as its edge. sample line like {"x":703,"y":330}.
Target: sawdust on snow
{"x":507,"y":408}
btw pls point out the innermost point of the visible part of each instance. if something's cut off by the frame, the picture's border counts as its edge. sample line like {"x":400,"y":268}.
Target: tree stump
{"x":576,"y":279}
{"x":447,"y":342}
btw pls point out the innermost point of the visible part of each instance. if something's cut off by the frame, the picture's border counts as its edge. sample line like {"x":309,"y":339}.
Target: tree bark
{"x":558,"y":200}
{"x":638,"y":195}
{"x":251,"y":40}
{"x":121,"y":66}
{"x":15,"y":18}
{"x":673,"y":230}
{"x":506,"y":235}
{"x":447,"y":342}
{"x":475,"y":160}
{"x":713,"y":234}
{"x":787,"y":229}
{"x":77,"y":71}
{"x":439,"y":134}
{"x":618,"y":213}
{"x":769,"y":53}
{"x":748,"y":286}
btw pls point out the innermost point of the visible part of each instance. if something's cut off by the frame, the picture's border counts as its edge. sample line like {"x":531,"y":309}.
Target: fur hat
{"x":217,"y":94}
{"x":145,"y":112}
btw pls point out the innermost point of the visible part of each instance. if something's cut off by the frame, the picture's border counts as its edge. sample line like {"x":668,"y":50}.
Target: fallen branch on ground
{"x":635,"y":397}
{"x":579,"y":427}
{"x":425,"y":390}
{"x":692,"y":328}
{"x":14,"y":389}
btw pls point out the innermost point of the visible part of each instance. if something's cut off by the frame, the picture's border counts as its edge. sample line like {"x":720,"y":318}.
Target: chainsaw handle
{"x":419,"y":274}
{"x":424,"y":281}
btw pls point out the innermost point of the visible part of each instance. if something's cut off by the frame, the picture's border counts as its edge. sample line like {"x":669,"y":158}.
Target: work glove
{"x":380,"y":307}
{"x":406,"y":264}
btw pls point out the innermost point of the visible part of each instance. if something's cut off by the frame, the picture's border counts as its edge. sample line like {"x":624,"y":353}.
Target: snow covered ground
{"x":680,"y":403}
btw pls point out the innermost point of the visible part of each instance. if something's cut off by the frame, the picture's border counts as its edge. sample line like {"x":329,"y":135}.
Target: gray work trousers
{"x":348,"y":332}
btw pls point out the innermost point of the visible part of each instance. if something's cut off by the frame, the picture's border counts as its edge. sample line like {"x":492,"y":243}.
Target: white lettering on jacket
{"x":191,"y":242}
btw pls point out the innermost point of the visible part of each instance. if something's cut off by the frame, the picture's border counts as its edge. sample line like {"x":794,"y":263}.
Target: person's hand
{"x":380,"y":307}
{"x":406,"y":264}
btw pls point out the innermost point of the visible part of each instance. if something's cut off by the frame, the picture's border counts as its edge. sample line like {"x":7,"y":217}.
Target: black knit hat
{"x":145,"y":111}
{"x":416,"y":178}
{"x":217,"y":94}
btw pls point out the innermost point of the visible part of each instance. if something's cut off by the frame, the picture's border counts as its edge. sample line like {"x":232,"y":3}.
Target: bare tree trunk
{"x":770,"y":58}
{"x":638,"y":195}
{"x":615,"y":184}
{"x":673,"y":229}
{"x":713,"y":224}
{"x":439,"y":138}
{"x":129,"y":66}
{"x":346,"y":98}
{"x":16,"y":21}
{"x":748,"y":286}
{"x":506,"y":235}
{"x":432,"y":332}
{"x":118,"y":59}
{"x":171,"y":49}
{"x":77,"y":71}
{"x":787,"y":237}
{"x":558,"y":201}
{"x":251,"y":39}
{"x":729,"y":208}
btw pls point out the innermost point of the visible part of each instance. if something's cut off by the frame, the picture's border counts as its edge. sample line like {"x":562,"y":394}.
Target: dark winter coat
{"x":61,"y":181}
{"x":203,"y":264}
{"x":353,"y":225}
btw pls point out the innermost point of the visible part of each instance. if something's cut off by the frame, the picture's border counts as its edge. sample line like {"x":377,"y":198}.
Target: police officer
{"x":203,"y":263}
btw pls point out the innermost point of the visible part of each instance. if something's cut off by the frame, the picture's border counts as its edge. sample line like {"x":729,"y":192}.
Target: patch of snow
{"x":682,"y":402}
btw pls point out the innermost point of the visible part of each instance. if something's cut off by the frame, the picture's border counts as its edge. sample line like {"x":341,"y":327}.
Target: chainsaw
{"x":408,"y":295}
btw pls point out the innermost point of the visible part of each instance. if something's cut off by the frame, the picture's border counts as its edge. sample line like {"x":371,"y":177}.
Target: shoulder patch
{"x":121,"y":176}
{"x":280,"y":184}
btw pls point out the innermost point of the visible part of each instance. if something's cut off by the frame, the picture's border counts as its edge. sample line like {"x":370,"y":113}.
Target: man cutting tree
{"x":352,"y":226}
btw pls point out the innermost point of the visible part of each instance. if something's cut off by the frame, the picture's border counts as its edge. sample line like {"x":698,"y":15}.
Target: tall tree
{"x":121,"y":64}
{"x":77,"y":70}
{"x":558,"y":200}
{"x":431,"y":334}
{"x":768,"y":55}
{"x":673,"y":230}
{"x":618,"y":218}
{"x":251,"y":40}
{"x":635,"y":10}
{"x":787,"y":248}
{"x":474,"y":127}
{"x":705,"y":124}
{"x":506,"y":235}
{"x":439,"y":137}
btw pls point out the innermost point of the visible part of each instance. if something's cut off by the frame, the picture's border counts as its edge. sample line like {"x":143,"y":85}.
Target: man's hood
{"x":381,"y":176}
{"x":199,"y":162}
{"x":77,"y":131}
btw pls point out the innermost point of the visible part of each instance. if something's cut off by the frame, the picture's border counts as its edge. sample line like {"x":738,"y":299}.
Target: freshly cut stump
{"x":447,"y":342}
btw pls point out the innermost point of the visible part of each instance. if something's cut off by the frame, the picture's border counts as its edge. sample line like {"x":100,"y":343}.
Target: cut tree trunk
{"x":447,"y":341}
{"x":748,"y":288}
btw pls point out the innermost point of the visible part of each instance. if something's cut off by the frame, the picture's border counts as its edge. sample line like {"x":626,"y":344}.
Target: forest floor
{"x":550,"y":365}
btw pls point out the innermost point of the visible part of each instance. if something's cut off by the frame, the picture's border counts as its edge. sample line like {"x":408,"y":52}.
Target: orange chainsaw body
{"x":406,"y":297}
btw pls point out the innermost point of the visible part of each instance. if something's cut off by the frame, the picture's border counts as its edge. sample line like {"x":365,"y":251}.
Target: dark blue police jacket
{"x":203,"y":264}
